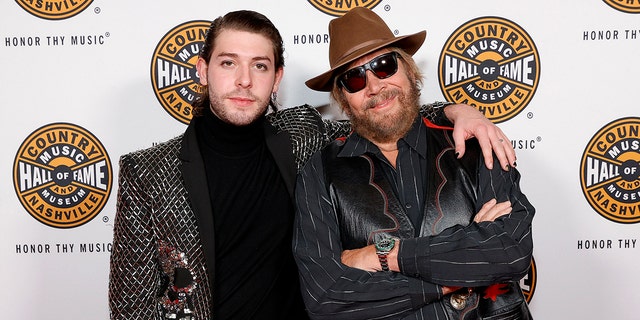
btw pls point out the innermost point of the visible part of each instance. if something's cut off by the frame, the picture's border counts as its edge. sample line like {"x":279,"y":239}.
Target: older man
{"x":390,"y":224}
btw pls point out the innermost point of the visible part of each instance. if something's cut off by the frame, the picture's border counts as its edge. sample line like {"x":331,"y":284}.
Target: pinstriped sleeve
{"x":480,"y":253}
{"x":332,"y":290}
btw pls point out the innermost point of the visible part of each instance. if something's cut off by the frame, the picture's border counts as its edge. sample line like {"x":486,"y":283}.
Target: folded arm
{"x":331,"y":289}
{"x":481,"y":253}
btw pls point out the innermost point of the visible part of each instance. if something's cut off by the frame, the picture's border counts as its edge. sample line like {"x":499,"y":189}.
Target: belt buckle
{"x":459,"y":300}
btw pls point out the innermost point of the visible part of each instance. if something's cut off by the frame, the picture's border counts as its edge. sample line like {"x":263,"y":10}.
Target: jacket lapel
{"x":195,"y":181}
{"x":279,"y":144}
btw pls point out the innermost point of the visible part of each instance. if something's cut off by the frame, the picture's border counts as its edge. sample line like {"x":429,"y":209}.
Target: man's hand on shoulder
{"x":468,"y":123}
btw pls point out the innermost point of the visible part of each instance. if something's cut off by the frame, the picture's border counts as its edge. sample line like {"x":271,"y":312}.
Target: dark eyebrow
{"x":234,"y":55}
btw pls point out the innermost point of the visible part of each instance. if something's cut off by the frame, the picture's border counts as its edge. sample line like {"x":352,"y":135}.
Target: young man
{"x":204,"y":221}
{"x":390,"y":224}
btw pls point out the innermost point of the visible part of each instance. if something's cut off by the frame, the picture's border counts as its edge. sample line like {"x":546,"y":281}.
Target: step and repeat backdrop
{"x":83,"y":82}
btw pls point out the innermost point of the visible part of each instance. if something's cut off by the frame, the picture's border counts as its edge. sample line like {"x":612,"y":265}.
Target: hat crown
{"x":358,"y":28}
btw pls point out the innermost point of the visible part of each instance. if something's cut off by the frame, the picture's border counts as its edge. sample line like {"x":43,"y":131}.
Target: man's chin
{"x":378,"y":131}
{"x":242,"y":118}
{"x":240,"y":121}
{"x":384,"y":127}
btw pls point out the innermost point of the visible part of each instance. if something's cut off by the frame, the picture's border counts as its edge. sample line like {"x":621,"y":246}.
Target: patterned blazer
{"x":158,"y":266}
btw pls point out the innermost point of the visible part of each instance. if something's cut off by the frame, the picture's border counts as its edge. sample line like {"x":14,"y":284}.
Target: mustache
{"x":241,"y":93}
{"x":384,"y":95}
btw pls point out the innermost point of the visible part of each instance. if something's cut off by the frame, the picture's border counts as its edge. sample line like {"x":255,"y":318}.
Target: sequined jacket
{"x":163,"y":205}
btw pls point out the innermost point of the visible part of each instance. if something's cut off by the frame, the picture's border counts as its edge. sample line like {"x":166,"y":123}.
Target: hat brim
{"x":409,"y":43}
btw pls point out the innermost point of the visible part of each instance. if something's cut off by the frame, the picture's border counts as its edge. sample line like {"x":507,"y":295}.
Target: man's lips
{"x":381,"y":104}
{"x":241,"y":101}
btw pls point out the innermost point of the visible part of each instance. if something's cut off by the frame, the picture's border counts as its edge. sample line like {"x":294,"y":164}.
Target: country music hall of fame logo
{"x":54,"y":10}
{"x":628,"y":6}
{"x":339,"y":8}
{"x":173,"y":68}
{"x":62,"y":175}
{"x":610,"y":171}
{"x":492,"y":64}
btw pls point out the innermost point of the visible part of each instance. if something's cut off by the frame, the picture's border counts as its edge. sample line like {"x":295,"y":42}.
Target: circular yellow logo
{"x":610,"y":171}
{"x":339,"y":8}
{"x":492,"y":64}
{"x":62,"y":175}
{"x":54,"y":10}
{"x":173,"y":68}
{"x":528,"y":283}
{"x":624,"y":6}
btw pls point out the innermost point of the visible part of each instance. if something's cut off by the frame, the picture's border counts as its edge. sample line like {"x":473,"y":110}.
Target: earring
{"x":273,"y":102}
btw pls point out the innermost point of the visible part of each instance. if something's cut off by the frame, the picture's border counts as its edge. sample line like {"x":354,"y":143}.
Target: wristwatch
{"x":383,"y":247}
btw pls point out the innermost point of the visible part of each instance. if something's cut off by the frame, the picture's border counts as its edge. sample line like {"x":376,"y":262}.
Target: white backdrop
{"x":77,"y":93}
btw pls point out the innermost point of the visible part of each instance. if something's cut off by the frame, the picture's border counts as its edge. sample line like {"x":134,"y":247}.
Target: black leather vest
{"x":367,"y":207}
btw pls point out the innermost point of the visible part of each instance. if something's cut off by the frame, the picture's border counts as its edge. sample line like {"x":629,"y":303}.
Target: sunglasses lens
{"x":354,"y":80}
{"x":383,"y":67}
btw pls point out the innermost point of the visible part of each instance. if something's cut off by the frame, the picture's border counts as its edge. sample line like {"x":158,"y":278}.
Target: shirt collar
{"x":356,"y":145}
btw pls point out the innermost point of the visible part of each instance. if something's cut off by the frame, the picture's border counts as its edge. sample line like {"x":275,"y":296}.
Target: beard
{"x":391,"y":126}
{"x":234,"y":116}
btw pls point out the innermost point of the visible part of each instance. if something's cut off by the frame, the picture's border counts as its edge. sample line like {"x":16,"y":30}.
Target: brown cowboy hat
{"x":356,"y":34}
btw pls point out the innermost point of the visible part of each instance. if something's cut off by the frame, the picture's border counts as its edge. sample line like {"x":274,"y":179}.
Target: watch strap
{"x":382,"y":257}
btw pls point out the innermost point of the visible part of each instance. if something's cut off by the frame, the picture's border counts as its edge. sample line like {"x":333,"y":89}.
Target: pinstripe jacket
{"x":345,"y":201}
{"x":163,"y":207}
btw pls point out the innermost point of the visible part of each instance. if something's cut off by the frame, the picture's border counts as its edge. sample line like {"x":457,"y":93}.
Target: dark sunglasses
{"x":383,"y":66}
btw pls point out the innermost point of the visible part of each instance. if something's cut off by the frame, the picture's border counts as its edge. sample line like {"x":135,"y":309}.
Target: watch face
{"x":385,"y":245}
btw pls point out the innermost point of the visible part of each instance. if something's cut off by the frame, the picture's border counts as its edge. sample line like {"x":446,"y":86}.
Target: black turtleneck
{"x":255,"y":275}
